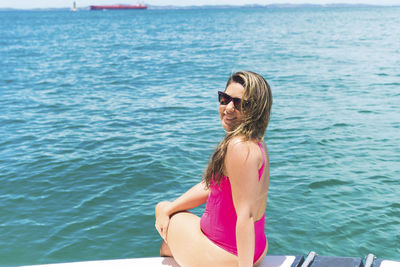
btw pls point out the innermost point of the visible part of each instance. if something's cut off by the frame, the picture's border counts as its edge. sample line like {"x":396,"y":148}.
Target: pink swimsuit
{"x":218,"y":222}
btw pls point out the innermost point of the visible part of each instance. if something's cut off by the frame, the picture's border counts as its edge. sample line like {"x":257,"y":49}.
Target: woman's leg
{"x":164,"y":250}
{"x":190,"y":247}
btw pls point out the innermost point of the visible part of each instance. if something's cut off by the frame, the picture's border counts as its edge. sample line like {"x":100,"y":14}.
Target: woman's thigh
{"x":190,"y":247}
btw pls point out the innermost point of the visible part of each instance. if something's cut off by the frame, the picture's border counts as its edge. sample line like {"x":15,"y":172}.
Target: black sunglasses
{"x":224,"y":99}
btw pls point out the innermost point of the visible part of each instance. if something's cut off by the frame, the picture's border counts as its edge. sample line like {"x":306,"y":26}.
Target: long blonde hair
{"x":255,"y":120}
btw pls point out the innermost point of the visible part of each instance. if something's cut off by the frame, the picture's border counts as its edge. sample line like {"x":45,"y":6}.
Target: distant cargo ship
{"x":117,"y":7}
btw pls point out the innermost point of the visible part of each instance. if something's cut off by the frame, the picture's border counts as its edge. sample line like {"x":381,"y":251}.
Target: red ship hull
{"x":117,"y":7}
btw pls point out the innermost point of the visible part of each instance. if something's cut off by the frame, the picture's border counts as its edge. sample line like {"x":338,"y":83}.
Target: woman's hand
{"x":162,"y":218}
{"x":194,"y":197}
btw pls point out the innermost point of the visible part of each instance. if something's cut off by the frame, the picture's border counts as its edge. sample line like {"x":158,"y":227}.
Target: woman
{"x":234,"y":185}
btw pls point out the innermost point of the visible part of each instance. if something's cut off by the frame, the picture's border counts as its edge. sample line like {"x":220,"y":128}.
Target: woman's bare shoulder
{"x":242,"y":150}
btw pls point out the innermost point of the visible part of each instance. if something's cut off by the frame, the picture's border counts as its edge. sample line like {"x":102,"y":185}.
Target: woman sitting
{"x":234,"y":185}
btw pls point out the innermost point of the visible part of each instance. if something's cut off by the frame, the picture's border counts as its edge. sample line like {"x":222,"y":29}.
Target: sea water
{"x":103,"y":114}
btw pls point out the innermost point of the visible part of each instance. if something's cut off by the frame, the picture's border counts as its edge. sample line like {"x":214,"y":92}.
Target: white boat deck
{"x":390,"y":264}
{"x":269,"y":261}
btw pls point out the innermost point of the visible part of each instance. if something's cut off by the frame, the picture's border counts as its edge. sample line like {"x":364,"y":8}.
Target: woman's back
{"x":264,"y":184}
{"x":218,"y":222}
{"x":252,"y":161}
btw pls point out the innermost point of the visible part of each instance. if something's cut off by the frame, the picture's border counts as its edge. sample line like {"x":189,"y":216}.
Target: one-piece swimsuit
{"x":218,"y":222}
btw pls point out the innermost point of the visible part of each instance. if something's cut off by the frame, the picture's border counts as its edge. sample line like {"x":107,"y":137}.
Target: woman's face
{"x":231,"y":117}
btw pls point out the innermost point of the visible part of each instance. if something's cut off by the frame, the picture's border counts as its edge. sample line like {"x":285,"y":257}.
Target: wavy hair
{"x":255,"y":120}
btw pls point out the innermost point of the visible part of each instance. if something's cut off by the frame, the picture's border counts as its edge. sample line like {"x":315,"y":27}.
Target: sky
{"x":28,"y":4}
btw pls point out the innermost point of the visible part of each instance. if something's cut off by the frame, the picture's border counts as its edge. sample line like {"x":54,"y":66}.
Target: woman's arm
{"x":242,"y":161}
{"x":194,"y":197}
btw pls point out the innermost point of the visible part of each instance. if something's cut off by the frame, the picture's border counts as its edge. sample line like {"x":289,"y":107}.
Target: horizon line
{"x":279,"y":5}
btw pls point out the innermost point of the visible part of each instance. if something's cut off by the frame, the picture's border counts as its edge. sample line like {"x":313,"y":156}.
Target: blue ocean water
{"x":103,"y":114}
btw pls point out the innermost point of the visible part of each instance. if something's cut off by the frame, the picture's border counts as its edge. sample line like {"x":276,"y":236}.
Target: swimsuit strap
{"x":260,"y":171}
